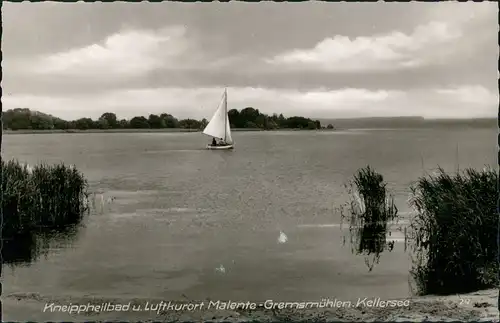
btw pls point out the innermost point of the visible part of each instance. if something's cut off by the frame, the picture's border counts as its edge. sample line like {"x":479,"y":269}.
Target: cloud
{"x":465,"y":101}
{"x":433,"y":42}
{"x":459,"y":102}
{"x":128,"y":53}
{"x":393,"y":50}
{"x":470,"y":94}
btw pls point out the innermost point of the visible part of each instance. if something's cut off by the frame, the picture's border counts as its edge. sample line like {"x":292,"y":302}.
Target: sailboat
{"x":219,"y":129}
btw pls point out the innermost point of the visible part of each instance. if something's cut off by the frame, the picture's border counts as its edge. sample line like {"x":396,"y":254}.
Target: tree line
{"x":23,"y":119}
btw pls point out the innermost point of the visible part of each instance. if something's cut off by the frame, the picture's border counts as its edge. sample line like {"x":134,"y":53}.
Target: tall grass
{"x":41,"y":199}
{"x":369,"y":211}
{"x":454,"y":231}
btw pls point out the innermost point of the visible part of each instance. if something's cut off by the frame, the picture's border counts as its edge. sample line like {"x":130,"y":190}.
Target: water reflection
{"x":21,"y":249}
{"x":24,"y":249}
{"x":27,"y":248}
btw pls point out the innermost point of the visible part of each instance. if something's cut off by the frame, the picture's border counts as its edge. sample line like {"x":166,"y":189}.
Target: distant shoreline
{"x":168,"y":130}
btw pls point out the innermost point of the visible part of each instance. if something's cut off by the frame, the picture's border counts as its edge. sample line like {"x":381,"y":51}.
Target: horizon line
{"x":308,"y":117}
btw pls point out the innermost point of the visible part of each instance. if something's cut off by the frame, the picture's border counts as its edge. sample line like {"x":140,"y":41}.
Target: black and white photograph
{"x":249,"y":161}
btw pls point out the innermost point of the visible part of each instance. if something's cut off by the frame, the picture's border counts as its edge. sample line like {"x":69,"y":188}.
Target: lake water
{"x":181,"y":213}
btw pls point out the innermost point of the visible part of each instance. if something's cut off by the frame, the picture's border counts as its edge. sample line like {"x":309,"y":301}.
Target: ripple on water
{"x":130,"y":197}
{"x":123,"y":193}
{"x":396,"y":232}
{"x":344,"y":132}
{"x":101,"y":199}
{"x":160,"y":212}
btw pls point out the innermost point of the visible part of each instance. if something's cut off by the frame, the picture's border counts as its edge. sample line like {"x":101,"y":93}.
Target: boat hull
{"x":226,"y":147}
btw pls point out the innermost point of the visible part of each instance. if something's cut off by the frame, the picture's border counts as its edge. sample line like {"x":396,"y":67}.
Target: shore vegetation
{"x":453,"y":230}
{"x":39,"y":200}
{"x":248,"y":118}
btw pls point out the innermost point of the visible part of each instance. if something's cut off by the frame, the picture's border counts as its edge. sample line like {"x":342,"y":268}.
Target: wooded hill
{"x":22,"y":119}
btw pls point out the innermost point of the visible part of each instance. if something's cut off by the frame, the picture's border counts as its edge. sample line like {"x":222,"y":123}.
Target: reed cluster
{"x":40,"y":199}
{"x":454,"y":231}
{"x":370,"y":210}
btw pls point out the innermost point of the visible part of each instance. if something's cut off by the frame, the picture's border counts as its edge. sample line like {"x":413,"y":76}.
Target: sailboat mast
{"x":225,"y":114}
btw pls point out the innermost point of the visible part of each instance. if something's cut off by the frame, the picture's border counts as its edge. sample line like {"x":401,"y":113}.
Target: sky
{"x":312,"y":59}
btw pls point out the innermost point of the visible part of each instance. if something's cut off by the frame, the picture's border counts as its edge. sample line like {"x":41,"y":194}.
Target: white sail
{"x":219,"y":126}
{"x":228,"y":138}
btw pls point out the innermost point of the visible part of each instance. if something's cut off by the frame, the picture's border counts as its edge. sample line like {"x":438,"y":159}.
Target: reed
{"x":369,"y":210}
{"x":454,"y":231}
{"x":41,"y":199}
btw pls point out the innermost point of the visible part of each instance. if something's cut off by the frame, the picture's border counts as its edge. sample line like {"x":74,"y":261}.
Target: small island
{"x":26,"y":120}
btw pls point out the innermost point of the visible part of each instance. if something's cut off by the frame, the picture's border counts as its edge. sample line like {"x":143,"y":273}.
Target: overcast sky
{"x":312,"y":59}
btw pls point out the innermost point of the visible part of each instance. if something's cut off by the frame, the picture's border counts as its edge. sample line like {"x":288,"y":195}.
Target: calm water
{"x":181,"y":212}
